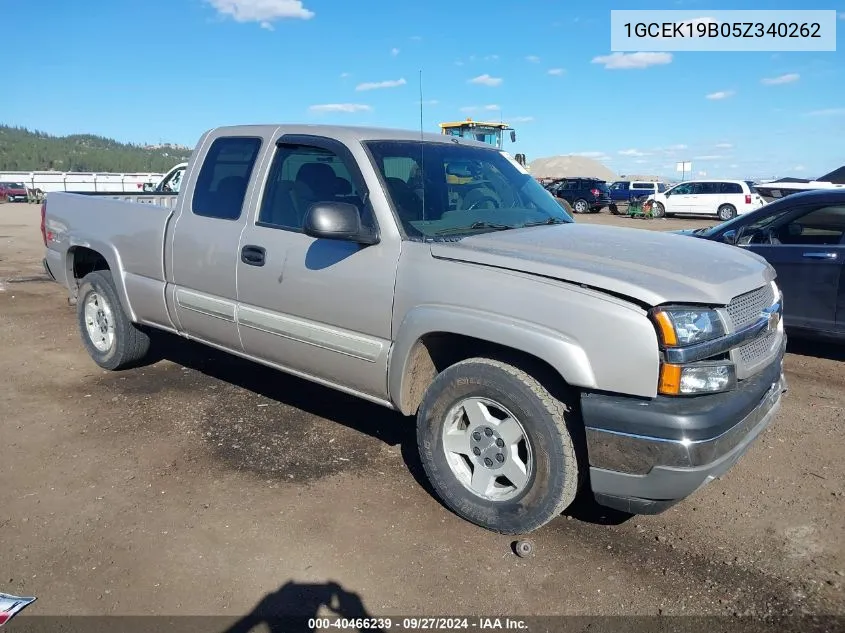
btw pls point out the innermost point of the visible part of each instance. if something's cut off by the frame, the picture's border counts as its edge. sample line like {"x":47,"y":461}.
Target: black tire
{"x":130,"y":344}
{"x":584,"y":207}
{"x":553,"y":478}
{"x":658,"y":210}
{"x":726,"y":212}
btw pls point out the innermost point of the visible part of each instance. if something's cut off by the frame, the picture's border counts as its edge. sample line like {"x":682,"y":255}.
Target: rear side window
{"x":643,"y":185}
{"x":224,"y":177}
{"x":731,"y":187}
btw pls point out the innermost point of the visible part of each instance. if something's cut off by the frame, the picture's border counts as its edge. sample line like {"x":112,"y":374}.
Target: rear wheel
{"x":497,"y":446}
{"x":110,"y":338}
{"x":580,"y":206}
{"x":726,"y":212}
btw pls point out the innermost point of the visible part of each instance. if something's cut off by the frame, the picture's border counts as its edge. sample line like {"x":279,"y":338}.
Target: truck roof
{"x":348,"y":133}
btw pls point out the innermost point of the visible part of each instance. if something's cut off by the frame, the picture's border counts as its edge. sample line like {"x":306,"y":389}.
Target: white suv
{"x":723,"y":198}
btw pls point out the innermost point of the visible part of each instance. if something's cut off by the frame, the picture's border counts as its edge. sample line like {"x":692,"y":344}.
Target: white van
{"x":723,"y":198}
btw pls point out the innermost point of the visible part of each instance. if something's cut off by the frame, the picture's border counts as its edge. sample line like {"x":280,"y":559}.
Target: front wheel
{"x":658,"y":210}
{"x":726,"y":212}
{"x":109,"y":336}
{"x":497,"y":446}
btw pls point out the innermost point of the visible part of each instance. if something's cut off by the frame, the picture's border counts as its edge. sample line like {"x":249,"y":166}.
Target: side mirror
{"x":513,"y":136}
{"x":336,"y":221}
{"x":730,"y":237}
{"x":148,"y":186}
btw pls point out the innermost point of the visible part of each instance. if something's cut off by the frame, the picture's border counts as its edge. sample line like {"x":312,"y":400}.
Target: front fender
{"x":112,"y":257}
{"x":564,"y":354}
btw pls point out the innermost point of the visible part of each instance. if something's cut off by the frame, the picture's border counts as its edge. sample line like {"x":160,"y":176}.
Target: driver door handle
{"x":253,"y":255}
{"x":816,"y":255}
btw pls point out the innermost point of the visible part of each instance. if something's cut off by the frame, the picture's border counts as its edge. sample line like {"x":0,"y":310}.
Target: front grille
{"x":746,"y":309}
{"x":757,"y":349}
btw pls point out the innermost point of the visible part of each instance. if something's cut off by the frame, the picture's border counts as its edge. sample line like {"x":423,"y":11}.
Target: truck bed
{"x":122,"y":227}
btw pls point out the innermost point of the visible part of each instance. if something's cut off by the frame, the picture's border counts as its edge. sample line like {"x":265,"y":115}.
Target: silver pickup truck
{"x":434,"y":276}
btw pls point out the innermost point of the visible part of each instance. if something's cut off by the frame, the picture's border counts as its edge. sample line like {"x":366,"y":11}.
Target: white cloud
{"x":533,"y":59}
{"x":486,"y":80}
{"x":416,"y":38}
{"x":622,"y":61}
{"x":723,"y":145}
{"x":556,"y":71}
{"x":631,"y":152}
{"x":468,"y":109}
{"x":593,"y":155}
{"x":799,"y":168}
{"x":708,"y":157}
{"x":394,"y":51}
{"x":788,"y":78}
{"x":828,"y":112}
{"x":492,"y":107}
{"x":340,"y":107}
{"x":641,"y":161}
{"x":262,"y":11}
{"x":521,"y":119}
{"x":266,"y":26}
{"x":459,"y":63}
{"x":345,"y":75}
{"x":431,"y":102}
{"x":377,"y":85}
{"x":733,"y":166}
{"x":718,"y":96}
{"x":674,"y":148}
{"x":491,"y":58}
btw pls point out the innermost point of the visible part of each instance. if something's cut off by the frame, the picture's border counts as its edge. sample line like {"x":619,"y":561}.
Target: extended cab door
{"x":203,"y":248}
{"x":318,"y":307}
{"x":806,"y":249}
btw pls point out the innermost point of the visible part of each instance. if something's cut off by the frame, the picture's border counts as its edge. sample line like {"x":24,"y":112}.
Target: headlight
{"x":686,"y":326}
{"x":697,"y":378}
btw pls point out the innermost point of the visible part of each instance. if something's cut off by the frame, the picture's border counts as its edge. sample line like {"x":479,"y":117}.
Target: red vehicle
{"x":13,"y":192}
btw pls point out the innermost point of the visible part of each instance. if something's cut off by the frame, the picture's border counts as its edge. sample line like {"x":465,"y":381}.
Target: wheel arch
{"x":432,"y":338}
{"x":84,"y":258}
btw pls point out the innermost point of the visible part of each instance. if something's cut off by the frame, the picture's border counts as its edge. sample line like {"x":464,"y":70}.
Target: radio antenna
{"x":422,"y":148}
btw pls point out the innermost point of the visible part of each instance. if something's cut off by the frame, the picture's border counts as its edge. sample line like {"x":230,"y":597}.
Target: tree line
{"x":22,"y":149}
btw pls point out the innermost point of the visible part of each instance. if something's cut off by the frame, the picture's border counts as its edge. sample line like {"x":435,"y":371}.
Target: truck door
{"x":203,"y":251}
{"x":319,"y":307}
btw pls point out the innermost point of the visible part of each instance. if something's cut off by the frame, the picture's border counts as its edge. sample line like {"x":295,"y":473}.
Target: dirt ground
{"x":203,"y":483}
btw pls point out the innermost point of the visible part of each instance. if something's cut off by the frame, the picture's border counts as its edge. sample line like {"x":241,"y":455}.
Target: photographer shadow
{"x":294,"y":606}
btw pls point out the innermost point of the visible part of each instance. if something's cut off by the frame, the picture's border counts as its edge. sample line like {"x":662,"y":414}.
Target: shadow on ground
{"x":816,"y":348}
{"x":352,"y":412}
{"x":294,"y":606}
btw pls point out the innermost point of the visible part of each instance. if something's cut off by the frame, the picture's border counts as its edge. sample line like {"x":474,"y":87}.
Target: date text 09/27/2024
{"x":417,"y":624}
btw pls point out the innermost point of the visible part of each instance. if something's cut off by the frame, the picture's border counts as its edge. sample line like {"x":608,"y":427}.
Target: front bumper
{"x":647,"y":455}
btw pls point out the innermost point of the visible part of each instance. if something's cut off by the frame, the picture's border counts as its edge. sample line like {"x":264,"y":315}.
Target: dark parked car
{"x":584,"y":194}
{"x":803,"y":238}
{"x":13,"y":192}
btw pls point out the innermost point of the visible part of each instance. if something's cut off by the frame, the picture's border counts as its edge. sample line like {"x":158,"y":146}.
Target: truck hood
{"x":649,"y":266}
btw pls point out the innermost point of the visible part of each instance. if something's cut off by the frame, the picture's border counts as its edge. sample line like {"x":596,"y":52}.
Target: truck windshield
{"x":440,"y":189}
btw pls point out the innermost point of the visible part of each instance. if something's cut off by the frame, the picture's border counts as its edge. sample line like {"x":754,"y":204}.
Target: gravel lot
{"x":203,"y":483}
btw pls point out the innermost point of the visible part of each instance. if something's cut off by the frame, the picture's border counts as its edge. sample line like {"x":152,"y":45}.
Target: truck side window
{"x":224,"y":177}
{"x":302,"y":175}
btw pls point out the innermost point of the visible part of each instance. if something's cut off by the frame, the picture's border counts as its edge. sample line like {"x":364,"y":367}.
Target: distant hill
{"x":26,"y":150}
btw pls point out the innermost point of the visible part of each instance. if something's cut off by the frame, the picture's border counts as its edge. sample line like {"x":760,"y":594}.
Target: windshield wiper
{"x":473,"y":226}
{"x":546,"y":222}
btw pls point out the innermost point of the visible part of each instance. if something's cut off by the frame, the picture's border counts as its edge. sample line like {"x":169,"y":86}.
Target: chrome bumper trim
{"x":638,"y":454}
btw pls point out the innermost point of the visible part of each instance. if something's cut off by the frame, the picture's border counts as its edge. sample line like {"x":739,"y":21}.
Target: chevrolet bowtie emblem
{"x":774,"y":319}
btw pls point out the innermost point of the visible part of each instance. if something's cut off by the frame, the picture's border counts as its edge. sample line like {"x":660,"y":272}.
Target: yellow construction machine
{"x":484,"y":131}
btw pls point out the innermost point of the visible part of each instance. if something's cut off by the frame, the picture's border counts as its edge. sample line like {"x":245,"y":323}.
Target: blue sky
{"x":166,"y":70}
